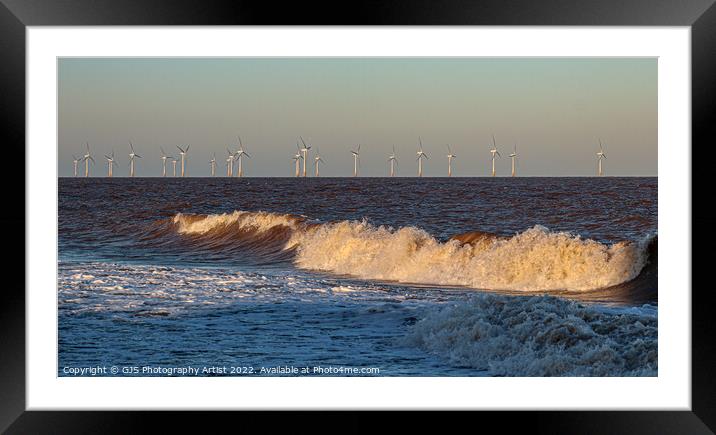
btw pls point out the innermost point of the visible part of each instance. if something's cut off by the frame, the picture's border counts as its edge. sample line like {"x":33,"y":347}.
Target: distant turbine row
{"x":301,"y":156}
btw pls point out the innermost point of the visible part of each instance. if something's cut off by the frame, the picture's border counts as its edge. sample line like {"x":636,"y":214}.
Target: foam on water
{"x":540,"y":336}
{"x":485,"y":334}
{"x":170,"y":290}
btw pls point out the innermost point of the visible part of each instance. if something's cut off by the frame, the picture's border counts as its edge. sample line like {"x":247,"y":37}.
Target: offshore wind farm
{"x":359,"y":216}
{"x":300,"y":160}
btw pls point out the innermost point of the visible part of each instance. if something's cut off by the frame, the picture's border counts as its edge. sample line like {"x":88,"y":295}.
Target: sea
{"x":357,"y":276}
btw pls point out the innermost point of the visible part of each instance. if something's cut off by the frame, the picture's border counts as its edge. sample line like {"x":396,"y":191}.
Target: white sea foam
{"x":539,"y":336}
{"x":535,"y":260}
{"x":131,"y":289}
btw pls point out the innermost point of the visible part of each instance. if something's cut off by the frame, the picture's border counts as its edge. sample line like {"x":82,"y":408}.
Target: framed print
{"x":460,"y":209}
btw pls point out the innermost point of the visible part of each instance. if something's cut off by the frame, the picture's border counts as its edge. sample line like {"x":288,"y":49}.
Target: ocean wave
{"x":534,"y":260}
{"x":540,"y":336}
{"x":242,"y":220}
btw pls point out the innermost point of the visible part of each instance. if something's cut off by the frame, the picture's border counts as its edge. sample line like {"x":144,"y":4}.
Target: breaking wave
{"x":536,"y":260}
{"x":242,"y":220}
{"x":540,"y":336}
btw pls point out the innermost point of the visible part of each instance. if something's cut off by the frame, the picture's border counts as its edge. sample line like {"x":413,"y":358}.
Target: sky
{"x":555,"y":110}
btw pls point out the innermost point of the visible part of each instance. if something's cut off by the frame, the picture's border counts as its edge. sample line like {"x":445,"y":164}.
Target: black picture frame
{"x":700,"y":15}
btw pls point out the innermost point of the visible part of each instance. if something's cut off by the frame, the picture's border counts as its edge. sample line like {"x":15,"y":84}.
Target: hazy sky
{"x":555,"y":110}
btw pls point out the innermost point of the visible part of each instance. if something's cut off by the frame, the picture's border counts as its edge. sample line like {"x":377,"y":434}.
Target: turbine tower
{"x":304,"y":150}
{"x":600,"y":156}
{"x":212,"y":162}
{"x":421,"y":155}
{"x":239,"y":156}
{"x":229,"y":163}
{"x":356,"y":160}
{"x":110,"y":163}
{"x":450,"y":156}
{"x":164,"y":162}
{"x":87,"y":157}
{"x":182,"y":153}
{"x":75,"y":160}
{"x":393,"y":162}
{"x":132,"y":155}
{"x":318,"y":161}
{"x":297,"y":158}
{"x":513,"y":156}
{"x":174,"y":166}
{"x":494,"y":152}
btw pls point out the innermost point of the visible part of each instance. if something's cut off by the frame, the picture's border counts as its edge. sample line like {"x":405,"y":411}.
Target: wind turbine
{"x":132,"y":155}
{"x":75,"y":160}
{"x":304,"y":150}
{"x":110,"y":163}
{"x":393,"y":161}
{"x":297,"y":158}
{"x":239,"y":155}
{"x":229,"y":163}
{"x":356,"y":160}
{"x":212,"y":162}
{"x":183,"y":152}
{"x":494,"y":152}
{"x":513,"y":156}
{"x":450,"y":156}
{"x":318,"y":161}
{"x":164,"y":162}
{"x":174,"y":166}
{"x":421,"y":155}
{"x":87,"y":157}
{"x":600,"y":156}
